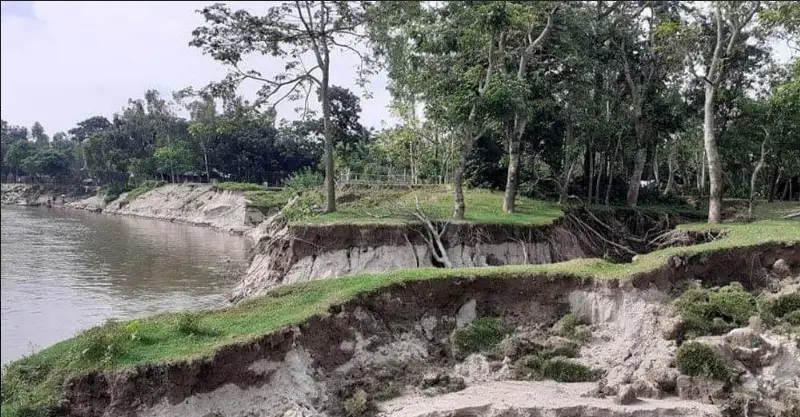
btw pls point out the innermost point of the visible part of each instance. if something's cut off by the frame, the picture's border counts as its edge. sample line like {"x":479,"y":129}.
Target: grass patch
{"x":268,"y":201}
{"x":715,"y":311}
{"x":697,"y":359}
{"x":481,"y":335}
{"x":567,"y":326}
{"x":144,"y":187}
{"x":553,"y":363}
{"x":783,"y":309}
{"x":390,"y":206}
{"x":239,"y":186}
{"x":31,"y":385}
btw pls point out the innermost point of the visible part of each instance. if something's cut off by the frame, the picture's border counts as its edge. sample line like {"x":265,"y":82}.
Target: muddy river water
{"x":65,"y":270}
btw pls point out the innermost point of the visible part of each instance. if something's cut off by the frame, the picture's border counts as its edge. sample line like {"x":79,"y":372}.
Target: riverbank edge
{"x":34,"y":195}
{"x":292,"y":307}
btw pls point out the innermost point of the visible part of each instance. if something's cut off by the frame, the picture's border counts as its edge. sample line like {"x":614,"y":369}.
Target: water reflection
{"x":66,"y":270}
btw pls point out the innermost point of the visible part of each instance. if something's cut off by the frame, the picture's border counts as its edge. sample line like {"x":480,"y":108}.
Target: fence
{"x":389,"y":179}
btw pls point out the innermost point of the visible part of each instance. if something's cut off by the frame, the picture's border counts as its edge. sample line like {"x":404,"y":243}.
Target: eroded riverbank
{"x":323,"y":347}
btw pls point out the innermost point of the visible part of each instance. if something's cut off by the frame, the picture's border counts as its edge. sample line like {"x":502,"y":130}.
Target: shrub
{"x":715,"y":311}
{"x":793,"y":318}
{"x":732,"y":301}
{"x":562,"y":370}
{"x":356,"y":405}
{"x":785,"y":304}
{"x":481,"y":335}
{"x":188,"y":323}
{"x":104,"y":344}
{"x":566,"y":326}
{"x":305,"y":179}
{"x":697,"y":359}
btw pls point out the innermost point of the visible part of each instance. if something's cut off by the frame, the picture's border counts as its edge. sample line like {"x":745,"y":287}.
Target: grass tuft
{"x":697,"y":359}
{"x":481,"y":335}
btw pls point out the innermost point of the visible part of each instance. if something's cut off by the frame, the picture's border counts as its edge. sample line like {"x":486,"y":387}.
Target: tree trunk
{"x":458,"y":180}
{"x":611,"y":169}
{"x":513,"y":173}
{"x":330,"y":186}
{"x":636,"y":177}
{"x":773,"y":182}
{"x":714,"y":163}
{"x":590,"y":174}
{"x":655,"y":168}
{"x":702,"y":185}
{"x":754,"y":177}
{"x":671,"y":176}
{"x":601,"y":165}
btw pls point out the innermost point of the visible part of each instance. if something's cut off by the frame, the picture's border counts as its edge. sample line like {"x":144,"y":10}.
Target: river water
{"x":65,"y":270}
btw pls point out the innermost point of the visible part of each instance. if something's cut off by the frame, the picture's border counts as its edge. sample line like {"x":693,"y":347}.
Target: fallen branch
{"x":792,"y":215}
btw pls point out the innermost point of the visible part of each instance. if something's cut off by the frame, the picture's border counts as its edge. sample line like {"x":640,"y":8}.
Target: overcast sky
{"x":63,"y":62}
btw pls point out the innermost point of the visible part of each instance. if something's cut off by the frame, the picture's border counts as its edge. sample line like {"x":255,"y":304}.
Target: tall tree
{"x":288,"y":31}
{"x":38,"y":134}
{"x":730,"y":18}
{"x":447,"y":56}
{"x":532,"y":37}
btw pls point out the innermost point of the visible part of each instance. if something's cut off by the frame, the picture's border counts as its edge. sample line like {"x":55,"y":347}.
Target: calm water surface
{"x":64,"y":271}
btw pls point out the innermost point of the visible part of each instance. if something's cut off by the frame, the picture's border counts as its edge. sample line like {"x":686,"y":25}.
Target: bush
{"x":793,"y":318}
{"x":697,"y":359}
{"x":785,"y":305}
{"x":104,"y":344}
{"x":305,"y":179}
{"x":357,"y":404}
{"x":481,"y":335}
{"x":566,"y":326}
{"x":112,"y":190}
{"x":715,"y":311}
{"x":562,"y":370}
{"x":188,"y":323}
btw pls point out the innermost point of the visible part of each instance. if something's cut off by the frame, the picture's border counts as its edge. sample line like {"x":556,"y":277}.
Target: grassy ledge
{"x":31,"y":385}
{"x":386,"y":206}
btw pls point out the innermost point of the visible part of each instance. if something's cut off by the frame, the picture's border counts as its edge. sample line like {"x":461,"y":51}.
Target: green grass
{"x":697,"y":359}
{"x":392,"y":206}
{"x":239,"y":186}
{"x":31,"y":385}
{"x":481,"y":335}
{"x":146,"y":186}
{"x":268,"y":201}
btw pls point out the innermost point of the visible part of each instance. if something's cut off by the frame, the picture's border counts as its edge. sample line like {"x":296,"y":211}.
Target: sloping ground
{"x":196,"y":204}
{"x":367,"y":333}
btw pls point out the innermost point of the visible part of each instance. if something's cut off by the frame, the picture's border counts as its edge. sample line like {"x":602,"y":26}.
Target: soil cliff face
{"x":297,"y":253}
{"x":383,"y":344}
{"x":196,"y":204}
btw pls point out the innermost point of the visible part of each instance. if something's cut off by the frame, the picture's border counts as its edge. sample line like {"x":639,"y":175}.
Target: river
{"x":65,"y":270}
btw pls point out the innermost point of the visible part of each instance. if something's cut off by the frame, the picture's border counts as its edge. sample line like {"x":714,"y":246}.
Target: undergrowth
{"x":718,"y":311}
{"x":697,"y":359}
{"x":553,"y":363}
{"x":481,"y":335}
{"x":144,"y":187}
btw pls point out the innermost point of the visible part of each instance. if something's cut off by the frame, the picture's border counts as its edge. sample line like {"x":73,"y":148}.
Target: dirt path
{"x":545,"y":398}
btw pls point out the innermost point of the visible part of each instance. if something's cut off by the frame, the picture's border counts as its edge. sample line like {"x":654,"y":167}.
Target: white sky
{"x":63,"y":62}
